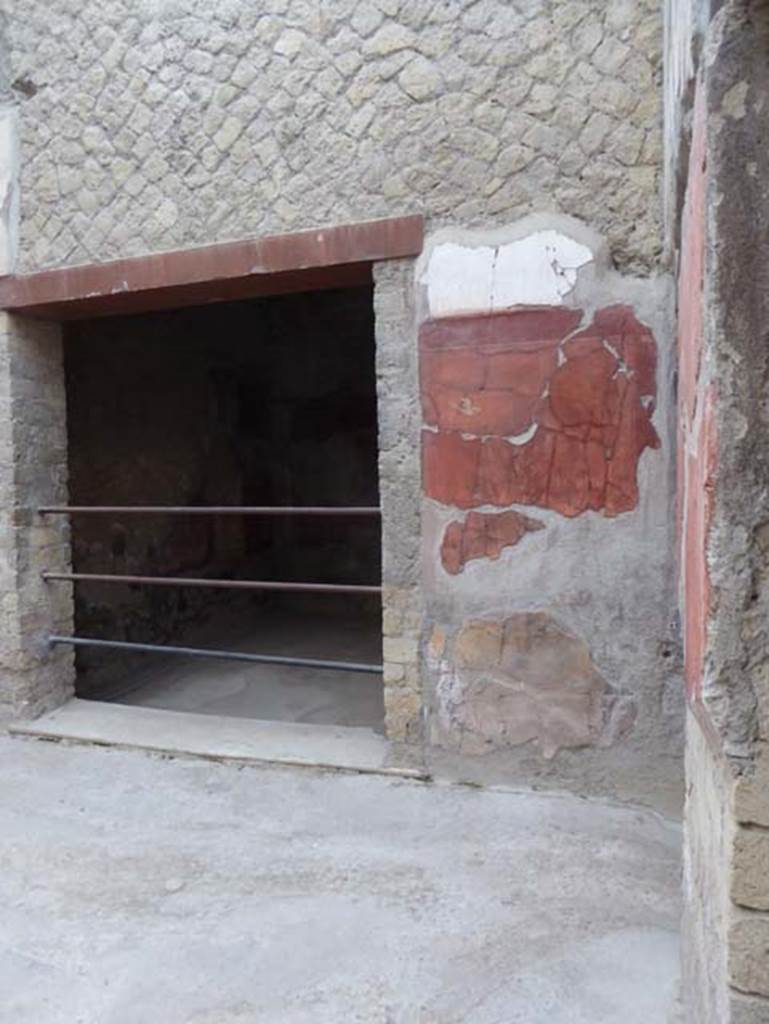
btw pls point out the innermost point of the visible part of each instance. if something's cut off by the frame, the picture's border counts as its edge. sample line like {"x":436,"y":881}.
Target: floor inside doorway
{"x":268,"y":692}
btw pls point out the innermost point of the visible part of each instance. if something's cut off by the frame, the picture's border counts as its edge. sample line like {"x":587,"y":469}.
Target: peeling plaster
{"x":520,"y":680}
{"x":607,"y":580}
{"x":500,"y":442}
{"x":483,"y":535}
{"x":539,"y":269}
{"x":9,"y":204}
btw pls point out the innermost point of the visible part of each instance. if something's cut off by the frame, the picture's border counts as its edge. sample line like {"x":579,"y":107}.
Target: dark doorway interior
{"x":265,"y":402}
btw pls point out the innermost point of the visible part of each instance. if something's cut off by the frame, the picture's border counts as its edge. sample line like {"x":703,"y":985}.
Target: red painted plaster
{"x":580,"y":403}
{"x":696,"y":427}
{"x":483,"y":535}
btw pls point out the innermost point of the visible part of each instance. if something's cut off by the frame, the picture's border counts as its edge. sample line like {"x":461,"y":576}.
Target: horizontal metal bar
{"x":212,"y":510}
{"x":184,"y":581}
{"x":202,"y":652}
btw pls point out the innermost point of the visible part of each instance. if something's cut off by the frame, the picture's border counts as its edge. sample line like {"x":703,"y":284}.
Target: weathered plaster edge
{"x":10,"y":206}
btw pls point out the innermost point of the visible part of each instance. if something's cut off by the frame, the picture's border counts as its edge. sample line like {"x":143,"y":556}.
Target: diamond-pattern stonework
{"x":157,"y":125}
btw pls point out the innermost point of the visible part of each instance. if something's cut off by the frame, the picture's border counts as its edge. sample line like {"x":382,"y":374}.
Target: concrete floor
{"x":139,"y":889}
{"x":242,"y":690}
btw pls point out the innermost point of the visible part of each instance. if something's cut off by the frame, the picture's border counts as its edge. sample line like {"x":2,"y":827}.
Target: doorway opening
{"x":267,"y":402}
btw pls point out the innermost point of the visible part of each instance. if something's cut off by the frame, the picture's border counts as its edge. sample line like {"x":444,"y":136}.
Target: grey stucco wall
{"x":606,"y":581}
{"x":159,"y":124}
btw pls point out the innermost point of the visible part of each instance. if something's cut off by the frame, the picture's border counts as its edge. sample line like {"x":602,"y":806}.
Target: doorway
{"x":263,"y":403}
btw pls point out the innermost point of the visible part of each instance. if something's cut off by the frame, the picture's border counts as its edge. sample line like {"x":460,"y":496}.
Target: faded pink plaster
{"x":696,"y":426}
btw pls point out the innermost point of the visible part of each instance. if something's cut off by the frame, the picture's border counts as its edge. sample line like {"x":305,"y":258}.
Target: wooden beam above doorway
{"x":328,"y":257}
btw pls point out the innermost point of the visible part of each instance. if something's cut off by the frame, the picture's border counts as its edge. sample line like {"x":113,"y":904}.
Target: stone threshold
{"x":218,"y":738}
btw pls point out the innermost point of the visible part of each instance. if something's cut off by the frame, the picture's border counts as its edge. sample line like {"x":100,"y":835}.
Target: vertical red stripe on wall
{"x":696,"y":429}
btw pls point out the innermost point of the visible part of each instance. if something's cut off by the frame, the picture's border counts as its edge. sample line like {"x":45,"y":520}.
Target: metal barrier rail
{"x":202,"y":652}
{"x":191,"y":581}
{"x":183,"y":581}
{"x":214,"y":510}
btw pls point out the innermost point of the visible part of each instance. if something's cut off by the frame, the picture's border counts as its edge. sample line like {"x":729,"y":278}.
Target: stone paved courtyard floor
{"x":141,"y":889}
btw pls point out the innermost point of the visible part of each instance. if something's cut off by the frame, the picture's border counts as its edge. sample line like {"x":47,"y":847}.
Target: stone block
{"x":750,"y":868}
{"x":403,"y":714}
{"x":748,"y":941}
{"x":403,"y":650}
{"x":420,"y":79}
{"x":751,"y":789}
{"x":748,"y":1009}
{"x":32,"y":423}
{"x":393,"y":673}
{"x":392,"y":621}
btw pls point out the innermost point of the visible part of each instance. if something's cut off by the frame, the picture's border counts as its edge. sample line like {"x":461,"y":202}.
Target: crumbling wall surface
{"x":169,"y":123}
{"x":399,"y":486}
{"x":9,"y":155}
{"x":684,"y":22}
{"x":724,"y":460}
{"x":33,"y":472}
{"x":547,"y":523}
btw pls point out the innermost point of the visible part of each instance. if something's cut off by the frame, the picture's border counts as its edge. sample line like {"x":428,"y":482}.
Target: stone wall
{"x":707,"y":838}
{"x":724,"y":466}
{"x":170,"y":123}
{"x":725,"y":963}
{"x":9,"y":155}
{"x":399,"y":485}
{"x":33,"y":472}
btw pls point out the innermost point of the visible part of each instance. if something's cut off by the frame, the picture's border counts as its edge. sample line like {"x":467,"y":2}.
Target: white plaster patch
{"x":7,"y":188}
{"x":538,"y":270}
{"x":525,"y":437}
{"x":459,"y":279}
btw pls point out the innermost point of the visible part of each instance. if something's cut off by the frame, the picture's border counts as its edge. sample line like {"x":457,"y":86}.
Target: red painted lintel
{"x":328,"y":257}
